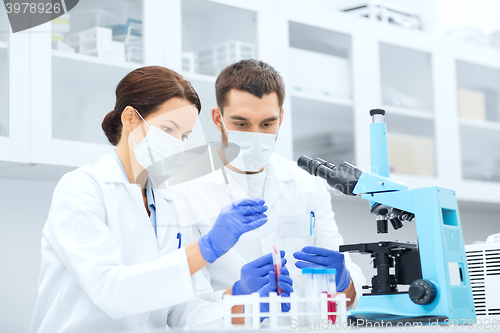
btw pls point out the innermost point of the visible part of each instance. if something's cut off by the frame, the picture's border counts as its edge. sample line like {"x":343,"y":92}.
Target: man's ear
{"x":216,"y":117}
{"x":128,"y":118}
{"x":281,"y":115}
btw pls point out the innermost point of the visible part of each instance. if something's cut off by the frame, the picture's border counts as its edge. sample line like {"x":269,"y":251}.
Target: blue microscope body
{"x":435,"y":269}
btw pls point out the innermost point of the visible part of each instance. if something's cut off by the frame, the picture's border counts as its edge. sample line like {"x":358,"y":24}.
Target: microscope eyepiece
{"x":342,"y":178}
{"x":377,"y":111}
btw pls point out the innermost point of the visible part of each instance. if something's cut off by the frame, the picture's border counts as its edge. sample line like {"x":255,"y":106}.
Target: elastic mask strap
{"x":133,"y":139}
{"x":141,"y":116}
{"x":222,"y":122}
{"x":279,"y":114}
{"x":135,"y":143}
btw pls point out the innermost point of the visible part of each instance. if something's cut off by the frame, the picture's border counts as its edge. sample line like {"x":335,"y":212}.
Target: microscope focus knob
{"x":422,"y":292}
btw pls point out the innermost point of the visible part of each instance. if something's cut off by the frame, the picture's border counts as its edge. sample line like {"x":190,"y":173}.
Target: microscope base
{"x":392,"y":308}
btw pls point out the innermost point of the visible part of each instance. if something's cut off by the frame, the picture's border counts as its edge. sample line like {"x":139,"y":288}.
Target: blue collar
{"x":149,"y":191}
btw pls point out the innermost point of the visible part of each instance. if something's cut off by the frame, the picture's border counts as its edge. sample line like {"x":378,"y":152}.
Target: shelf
{"x":480,"y":153}
{"x":325,"y":53}
{"x":319,"y":40}
{"x":482,"y":81}
{"x":420,"y":114}
{"x":206,"y":24}
{"x":94,"y":60}
{"x":75,"y":154}
{"x":33,"y":172}
{"x":322,"y":129}
{"x":199,"y":77}
{"x":478,"y":191}
{"x":416,"y":181}
{"x":322,"y":98}
{"x":476,"y":54}
{"x":483,"y":125}
{"x":83,"y":92}
{"x":401,"y":123}
{"x":406,"y":77}
{"x":466,"y":190}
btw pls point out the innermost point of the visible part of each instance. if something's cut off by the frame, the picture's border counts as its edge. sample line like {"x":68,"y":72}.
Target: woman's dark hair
{"x":145,"y":89}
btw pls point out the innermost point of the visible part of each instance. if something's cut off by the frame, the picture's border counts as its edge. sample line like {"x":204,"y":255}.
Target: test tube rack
{"x":298,"y":309}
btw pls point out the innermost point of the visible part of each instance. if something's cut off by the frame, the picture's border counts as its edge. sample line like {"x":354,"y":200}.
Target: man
{"x":250,"y":96}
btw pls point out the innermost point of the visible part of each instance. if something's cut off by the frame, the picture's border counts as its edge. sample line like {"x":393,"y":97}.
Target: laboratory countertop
{"x":439,"y":329}
{"x":427,"y":328}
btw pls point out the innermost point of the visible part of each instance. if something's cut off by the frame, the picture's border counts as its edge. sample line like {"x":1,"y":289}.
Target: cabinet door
{"x":80,"y":59}
{"x":14,"y":89}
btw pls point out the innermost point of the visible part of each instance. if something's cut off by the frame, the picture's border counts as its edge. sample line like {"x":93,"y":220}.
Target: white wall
{"x":24,"y":208}
{"x":481,"y":14}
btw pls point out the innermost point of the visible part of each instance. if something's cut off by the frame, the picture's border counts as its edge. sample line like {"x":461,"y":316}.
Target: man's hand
{"x":254,"y":275}
{"x":284,"y":282}
{"x":313,"y":256}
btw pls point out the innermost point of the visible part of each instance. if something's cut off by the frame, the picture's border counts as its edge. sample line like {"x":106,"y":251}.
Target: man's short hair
{"x":253,"y":76}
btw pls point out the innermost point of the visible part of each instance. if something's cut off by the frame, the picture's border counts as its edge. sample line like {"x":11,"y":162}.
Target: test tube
{"x":331,"y":291}
{"x":311,"y":290}
{"x":308,"y":282}
{"x":277,"y":266}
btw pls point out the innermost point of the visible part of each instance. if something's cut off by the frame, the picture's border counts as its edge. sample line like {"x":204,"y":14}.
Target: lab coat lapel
{"x":110,"y":172}
{"x":164,"y":216}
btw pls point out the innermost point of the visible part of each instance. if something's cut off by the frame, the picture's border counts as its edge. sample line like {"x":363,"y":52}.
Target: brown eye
{"x":167,"y":129}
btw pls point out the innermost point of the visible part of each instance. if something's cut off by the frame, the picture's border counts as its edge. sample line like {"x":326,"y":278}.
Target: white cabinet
{"x":71,"y":92}
{"x":4,"y":88}
{"x":14,"y":97}
{"x":336,"y":68}
{"x":478,"y":94}
{"x":214,"y":35}
{"x":321,"y":92}
{"x":407,"y":93}
{"x":4,"y":76}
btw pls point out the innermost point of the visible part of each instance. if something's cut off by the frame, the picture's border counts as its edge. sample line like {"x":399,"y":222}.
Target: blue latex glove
{"x":284,"y":282}
{"x":313,"y":256}
{"x":253,"y":275}
{"x":233,"y":221}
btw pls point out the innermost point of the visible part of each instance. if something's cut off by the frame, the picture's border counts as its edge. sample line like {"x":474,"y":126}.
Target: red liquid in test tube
{"x":332,"y":307}
{"x":277,"y":266}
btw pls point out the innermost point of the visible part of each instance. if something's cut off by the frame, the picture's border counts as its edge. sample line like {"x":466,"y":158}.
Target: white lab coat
{"x":289,"y":193}
{"x":104,"y":269}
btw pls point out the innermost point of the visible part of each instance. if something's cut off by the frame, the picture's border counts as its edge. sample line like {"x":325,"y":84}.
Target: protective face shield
{"x":255,"y":148}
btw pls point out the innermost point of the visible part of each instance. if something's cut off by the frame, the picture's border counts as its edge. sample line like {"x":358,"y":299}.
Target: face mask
{"x":157,"y":146}
{"x":255,"y":149}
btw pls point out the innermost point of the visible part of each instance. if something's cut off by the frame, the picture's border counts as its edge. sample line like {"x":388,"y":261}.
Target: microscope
{"x":434,"y":268}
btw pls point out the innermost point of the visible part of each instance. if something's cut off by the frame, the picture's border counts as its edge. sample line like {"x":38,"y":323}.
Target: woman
{"x":114,"y":256}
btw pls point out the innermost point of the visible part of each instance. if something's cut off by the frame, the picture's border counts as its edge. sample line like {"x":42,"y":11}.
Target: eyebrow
{"x":173,"y":122}
{"x":270,"y":119}
{"x":239,"y":118}
{"x":245,"y":119}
